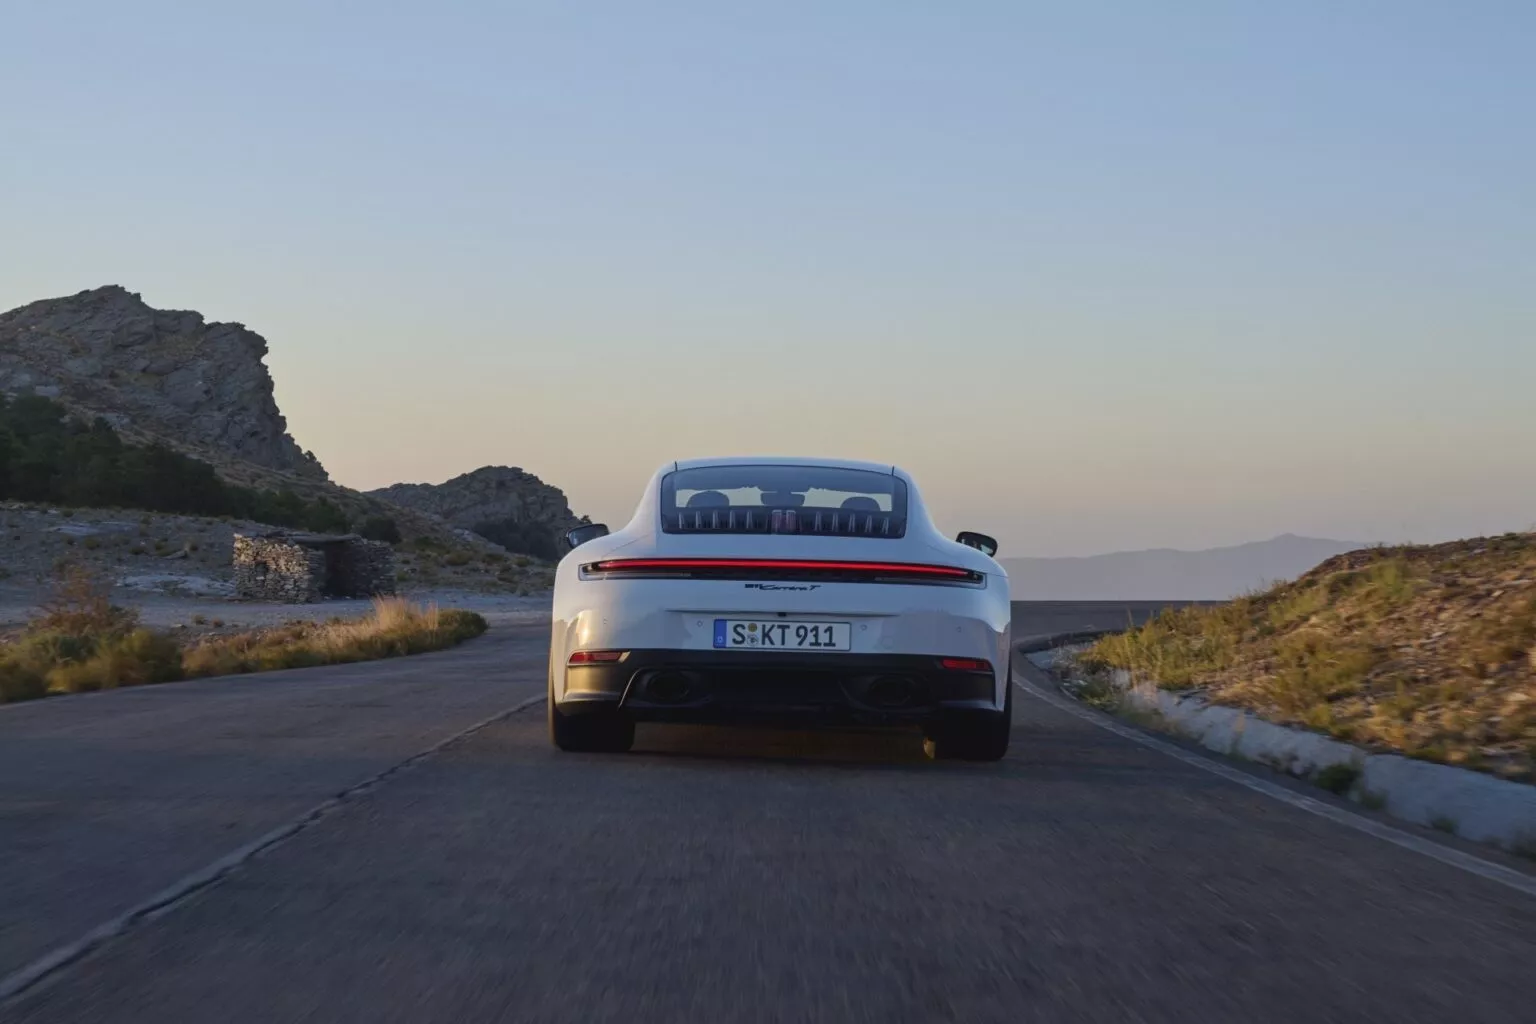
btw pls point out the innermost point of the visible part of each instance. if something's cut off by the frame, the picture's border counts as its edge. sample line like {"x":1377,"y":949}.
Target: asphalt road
{"x":711,"y":875}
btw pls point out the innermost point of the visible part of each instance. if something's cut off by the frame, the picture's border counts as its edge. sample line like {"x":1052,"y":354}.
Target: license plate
{"x":782,"y":635}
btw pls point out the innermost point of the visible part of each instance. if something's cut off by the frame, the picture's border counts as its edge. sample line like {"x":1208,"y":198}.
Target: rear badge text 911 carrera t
{"x":782,"y":635}
{"x":783,"y":586}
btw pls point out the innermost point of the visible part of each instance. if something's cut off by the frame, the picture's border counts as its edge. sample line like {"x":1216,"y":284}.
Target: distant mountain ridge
{"x":1215,"y":574}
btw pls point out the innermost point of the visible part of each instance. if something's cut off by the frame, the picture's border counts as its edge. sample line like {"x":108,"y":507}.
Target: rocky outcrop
{"x":502,"y":504}
{"x":154,"y":374}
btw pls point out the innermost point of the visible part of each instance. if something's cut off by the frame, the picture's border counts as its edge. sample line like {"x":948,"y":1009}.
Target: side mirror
{"x":579,"y":535}
{"x":980,"y":541}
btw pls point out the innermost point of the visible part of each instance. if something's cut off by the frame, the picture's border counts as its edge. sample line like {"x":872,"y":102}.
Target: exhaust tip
{"x":890,"y":691}
{"x":668,"y":688}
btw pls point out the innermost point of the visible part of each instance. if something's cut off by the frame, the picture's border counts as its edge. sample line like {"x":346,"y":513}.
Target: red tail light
{"x":594,"y":657}
{"x":966,"y":664}
{"x":785,"y":568}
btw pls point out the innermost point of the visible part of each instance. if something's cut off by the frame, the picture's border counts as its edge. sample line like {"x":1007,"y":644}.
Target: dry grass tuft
{"x":395,"y":627}
{"x":81,"y":642}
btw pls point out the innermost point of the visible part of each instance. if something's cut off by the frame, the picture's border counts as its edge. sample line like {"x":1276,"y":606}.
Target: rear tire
{"x":595,"y":732}
{"x":973,"y":735}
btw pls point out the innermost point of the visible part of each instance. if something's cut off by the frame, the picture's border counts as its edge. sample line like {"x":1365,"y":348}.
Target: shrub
{"x":461,"y":625}
{"x":20,"y":680}
{"x":456,"y":559}
{"x":81,"y":604}
{"x":1338,"y":778}
{"x":43,"y":648}
{"x":380,"y":528}
{"x":141,"y":657}
{"x":81,"y":641}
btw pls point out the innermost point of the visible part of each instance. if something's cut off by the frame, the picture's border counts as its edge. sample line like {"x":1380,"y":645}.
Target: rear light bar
{"x":594,"y":657}
{"x":966,"y":664}
{"x":784,"y":568}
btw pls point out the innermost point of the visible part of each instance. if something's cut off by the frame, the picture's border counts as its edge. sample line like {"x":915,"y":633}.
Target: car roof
{"x":786,"y":460}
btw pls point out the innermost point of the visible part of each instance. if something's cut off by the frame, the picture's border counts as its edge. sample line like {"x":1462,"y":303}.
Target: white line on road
{"x":1359,"y":822}
{"x":56,"y":959}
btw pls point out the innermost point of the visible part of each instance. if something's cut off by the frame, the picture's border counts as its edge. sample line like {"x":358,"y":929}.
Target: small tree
{"x":382,"y":528}
{"x":80,"y":604}
{"x":7,"y":450}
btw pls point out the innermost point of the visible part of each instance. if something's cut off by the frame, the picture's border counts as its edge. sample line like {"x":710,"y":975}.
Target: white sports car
{"x":786,"y":591}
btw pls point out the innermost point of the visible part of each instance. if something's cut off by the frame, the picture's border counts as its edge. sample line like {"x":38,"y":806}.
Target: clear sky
{"x":1102,"y":275}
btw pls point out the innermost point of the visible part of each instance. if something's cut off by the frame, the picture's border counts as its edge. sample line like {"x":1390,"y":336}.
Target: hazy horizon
{"x":1102,"y":277}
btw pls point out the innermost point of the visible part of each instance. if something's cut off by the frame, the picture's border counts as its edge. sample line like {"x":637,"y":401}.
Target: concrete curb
{"x":1050,"y":641}
{"x":1466,"y":803}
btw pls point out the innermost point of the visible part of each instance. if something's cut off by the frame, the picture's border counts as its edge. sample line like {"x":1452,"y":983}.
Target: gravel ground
{"x":169,"y":611}
{"x":176,"y":569}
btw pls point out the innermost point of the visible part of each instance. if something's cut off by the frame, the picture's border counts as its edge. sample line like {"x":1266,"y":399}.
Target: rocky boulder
{"x":502,"y":504}
{"x":161,"y":375}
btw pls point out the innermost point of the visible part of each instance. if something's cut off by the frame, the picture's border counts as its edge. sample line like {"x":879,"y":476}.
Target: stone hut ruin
{"x":297,"y":568}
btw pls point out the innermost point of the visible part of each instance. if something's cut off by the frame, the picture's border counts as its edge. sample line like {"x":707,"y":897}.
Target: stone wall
{"x":274,"y":569}
{"x":300,"y":568}
{"x":371,"y":565}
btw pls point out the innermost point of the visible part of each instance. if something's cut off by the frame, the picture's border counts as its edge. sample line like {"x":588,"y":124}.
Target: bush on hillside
{"x":380,"y":528}
{"x":520,"y":538}
{"x":45,"y":456}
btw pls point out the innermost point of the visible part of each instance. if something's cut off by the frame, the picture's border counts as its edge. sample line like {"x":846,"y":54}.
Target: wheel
{"x":973,"y":736}
{"x":604,"y":732}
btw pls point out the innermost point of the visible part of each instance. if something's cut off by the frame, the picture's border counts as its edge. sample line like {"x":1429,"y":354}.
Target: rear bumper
{"x":747,"y":686}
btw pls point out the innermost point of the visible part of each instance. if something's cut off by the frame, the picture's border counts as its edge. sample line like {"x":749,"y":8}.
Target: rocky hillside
{"x":503,"y":504}
{"x":155,"y":375}
{"x":1425,"y":651}
{"x":172,"y":378}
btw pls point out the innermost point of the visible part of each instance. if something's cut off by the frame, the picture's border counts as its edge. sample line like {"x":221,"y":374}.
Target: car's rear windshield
{"x":784,"y":499}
